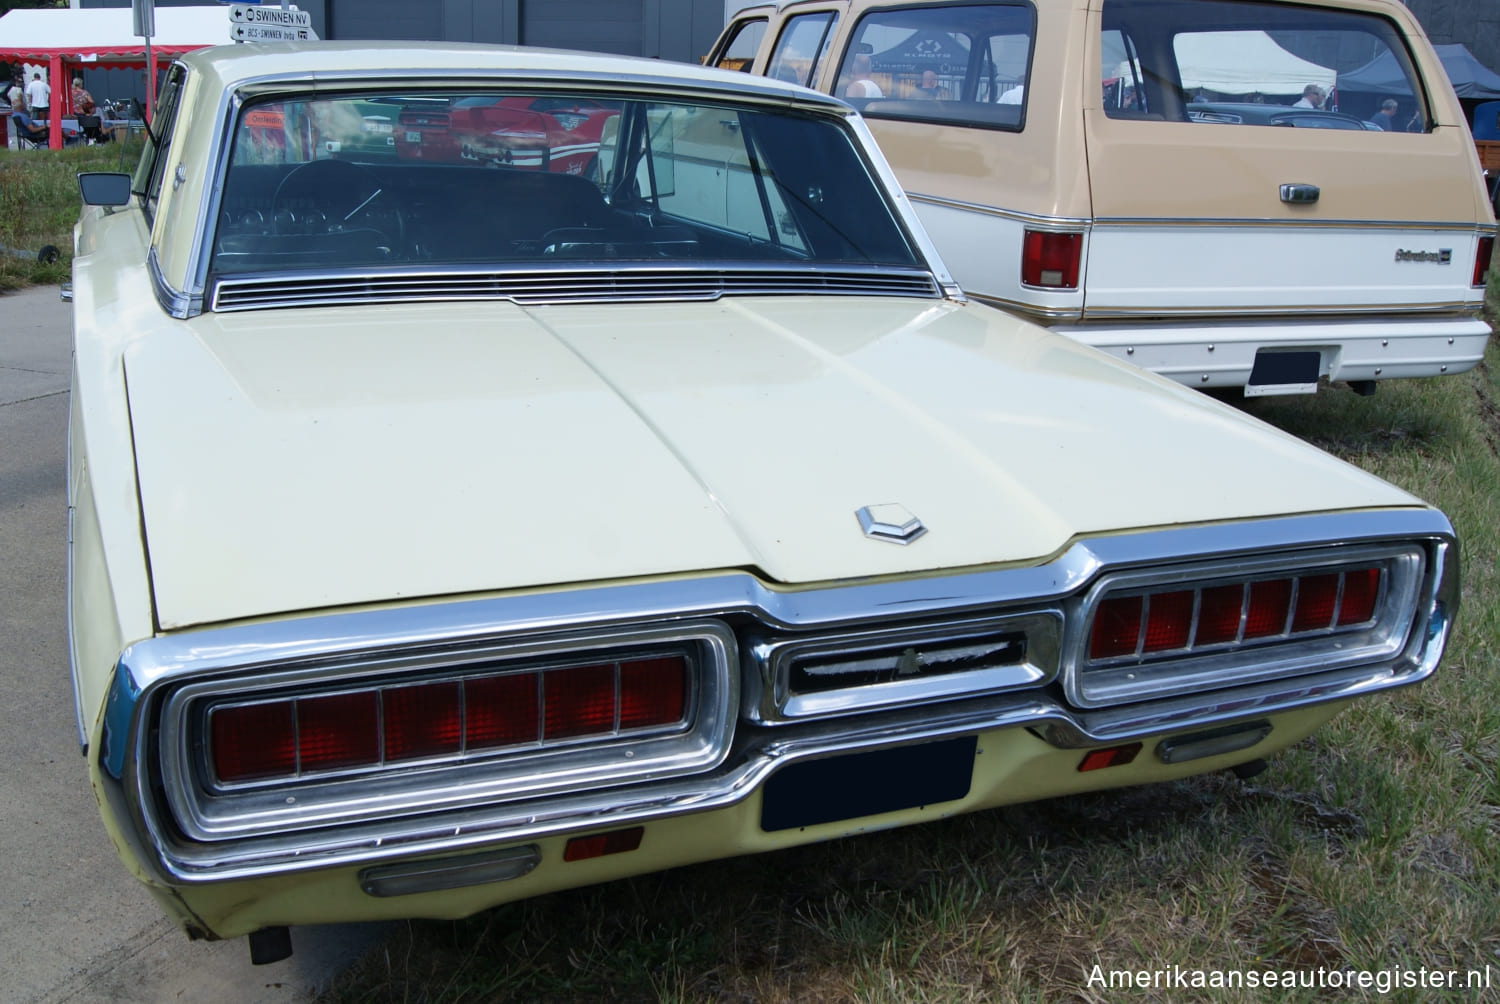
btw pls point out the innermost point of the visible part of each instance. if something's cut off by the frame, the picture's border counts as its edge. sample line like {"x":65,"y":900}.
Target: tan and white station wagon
{"x":1182,"y":183}
{"x":451,"y":529}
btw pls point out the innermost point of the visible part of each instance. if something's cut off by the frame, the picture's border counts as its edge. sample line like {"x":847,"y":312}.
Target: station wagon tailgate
{"x":1207,"y":202}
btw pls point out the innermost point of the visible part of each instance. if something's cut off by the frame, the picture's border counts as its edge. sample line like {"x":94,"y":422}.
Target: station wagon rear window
{"x":1223,"y":62}
{"x":413,"y":179}
{"x":964,"y":64}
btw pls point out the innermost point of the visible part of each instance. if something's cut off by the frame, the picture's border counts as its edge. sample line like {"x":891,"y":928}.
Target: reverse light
{"x":1051,"y":260}
{"x":1482,"y":258}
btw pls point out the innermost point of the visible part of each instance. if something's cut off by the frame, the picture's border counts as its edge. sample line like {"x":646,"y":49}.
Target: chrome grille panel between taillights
{"x":570,"y":284}
{"x":847,"y":672}
{"x":1154,"y":634}
{"x":525,"y":719}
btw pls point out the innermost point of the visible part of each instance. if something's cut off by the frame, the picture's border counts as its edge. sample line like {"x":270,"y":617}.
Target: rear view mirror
{"x":103,"y":188}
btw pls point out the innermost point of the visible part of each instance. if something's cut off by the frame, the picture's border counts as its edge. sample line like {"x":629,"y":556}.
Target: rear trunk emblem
{"x":890,"y":521}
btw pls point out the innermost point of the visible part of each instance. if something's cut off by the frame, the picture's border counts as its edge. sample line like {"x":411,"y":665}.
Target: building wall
{"x":1475,"y":23}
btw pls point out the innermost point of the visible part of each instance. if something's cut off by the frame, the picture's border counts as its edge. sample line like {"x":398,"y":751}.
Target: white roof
{"x":1245,"y":62}
{"x":108,"y":30}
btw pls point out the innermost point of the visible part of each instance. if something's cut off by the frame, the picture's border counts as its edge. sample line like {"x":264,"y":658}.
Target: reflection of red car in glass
{"x":557,"y":134}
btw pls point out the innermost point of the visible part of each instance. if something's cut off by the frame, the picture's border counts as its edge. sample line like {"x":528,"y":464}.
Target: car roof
{"x":233,"y":67}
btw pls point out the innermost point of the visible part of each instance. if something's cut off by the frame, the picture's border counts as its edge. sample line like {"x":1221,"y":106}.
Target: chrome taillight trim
{"x":770,"y":698}
{"x":206,"y":810}
{"x":1120,"y":680}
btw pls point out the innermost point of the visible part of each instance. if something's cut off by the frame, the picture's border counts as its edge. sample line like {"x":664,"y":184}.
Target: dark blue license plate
{"x":866,"y":784}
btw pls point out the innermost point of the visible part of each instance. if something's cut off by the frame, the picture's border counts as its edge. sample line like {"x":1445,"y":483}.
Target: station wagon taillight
{"x":1155,"y":634}
{"x":1051,"y":260}
{"x":389,"y":726}
{"x":1482,"y":258}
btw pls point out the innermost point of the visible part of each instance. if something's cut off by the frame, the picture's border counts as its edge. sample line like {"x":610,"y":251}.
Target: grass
{"x":39,"y":205}
{"x":1371,"y":845}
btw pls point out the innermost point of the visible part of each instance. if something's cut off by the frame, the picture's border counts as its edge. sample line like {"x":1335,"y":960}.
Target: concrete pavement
{"x":74,"y":927}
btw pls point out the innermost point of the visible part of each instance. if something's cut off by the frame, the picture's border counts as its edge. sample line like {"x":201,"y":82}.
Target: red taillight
{"x":502,"y":711}
{"x":1051,"y":260}
{"x":423,"y":721}
{"x":337,"y":732}
{"x":1317,"y":598}
{"x":1169,"y":619}
{"x":652,"y":692}
{"x":1484,"y":253}
{"x":580,"y":701}
{"x":253,"y":741}
{"x":1117,"y":628}
{"x":451,"y":718}
{"x":1267,"y":610}
{"x":1361,"y":589}
{"x":1186,"y":619}
{"x":1219,"y":614}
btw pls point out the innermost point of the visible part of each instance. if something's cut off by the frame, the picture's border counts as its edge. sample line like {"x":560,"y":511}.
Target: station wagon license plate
{"x":866,"y":784}
{"x":1284,"y":373}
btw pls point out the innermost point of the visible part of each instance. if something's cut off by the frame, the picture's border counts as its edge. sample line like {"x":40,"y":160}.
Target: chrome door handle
{"x":1299,"y":194}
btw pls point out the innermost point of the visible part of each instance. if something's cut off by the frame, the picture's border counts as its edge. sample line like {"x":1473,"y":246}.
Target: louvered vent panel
{"x":572,"y":286}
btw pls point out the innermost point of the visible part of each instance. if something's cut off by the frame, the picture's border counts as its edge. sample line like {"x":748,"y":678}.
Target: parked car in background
{"x":1252,"y":113}
{"x":1061,"y":157}
{"x":447,"y":532}
{"x":555,"y":133}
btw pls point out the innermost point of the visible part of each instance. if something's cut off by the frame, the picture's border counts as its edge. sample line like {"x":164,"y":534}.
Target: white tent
{"x":1245,"y":62}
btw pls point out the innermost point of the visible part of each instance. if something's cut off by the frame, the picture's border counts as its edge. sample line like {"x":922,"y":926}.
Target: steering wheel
{"x":333,"y":196}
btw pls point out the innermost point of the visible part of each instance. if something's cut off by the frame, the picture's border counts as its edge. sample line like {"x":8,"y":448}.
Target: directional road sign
{"x":255,"y":14}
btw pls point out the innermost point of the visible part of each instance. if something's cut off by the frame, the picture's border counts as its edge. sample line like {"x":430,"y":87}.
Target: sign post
{"x":143,"y":23}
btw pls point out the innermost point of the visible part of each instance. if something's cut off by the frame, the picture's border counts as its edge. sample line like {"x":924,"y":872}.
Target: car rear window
{"x":966,"y":64}
{"x":1224,"y":62}
{"x":422,"y":178}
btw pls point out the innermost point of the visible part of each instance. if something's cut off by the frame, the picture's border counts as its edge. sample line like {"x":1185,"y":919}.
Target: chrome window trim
{"x":507,"y":774}
{"x":149,"y":667}
{"x":1037,"y":221}
{"x":174,"y":302}
{"x":1127,"y":679}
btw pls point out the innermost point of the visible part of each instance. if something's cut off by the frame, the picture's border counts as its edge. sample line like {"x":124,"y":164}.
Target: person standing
{"x":83,"y":101}
{"x":1385,"y":119}
{"x":16,"y":95}
{"x":38,"y":96}
{"x":1312,"y":97}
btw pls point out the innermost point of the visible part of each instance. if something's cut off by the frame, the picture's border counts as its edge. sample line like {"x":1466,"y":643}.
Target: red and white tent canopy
{"x":104,"y":37}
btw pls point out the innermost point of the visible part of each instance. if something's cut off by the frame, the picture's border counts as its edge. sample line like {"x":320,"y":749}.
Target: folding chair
{"x":29,"y":136}
{"x":89,"y":129}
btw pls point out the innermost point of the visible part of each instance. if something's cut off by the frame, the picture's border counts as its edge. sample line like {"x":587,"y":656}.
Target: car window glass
{"x":966,"y":64}
{"x":739,"y":52}
{"x":1227,"y":62}
{"x":802,"y":44}
{"x":152,"y":166}
{"x":496,"y":179}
